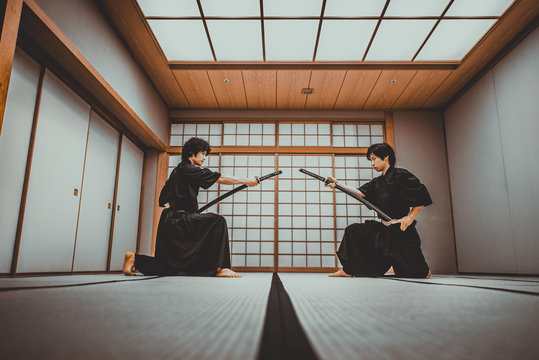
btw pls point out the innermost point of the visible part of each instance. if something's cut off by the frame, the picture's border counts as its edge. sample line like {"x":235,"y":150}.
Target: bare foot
{"x":129,"y":263}
{"x":339,"y":273}
{"x":428,"y":275}
{"x":227,"y":273}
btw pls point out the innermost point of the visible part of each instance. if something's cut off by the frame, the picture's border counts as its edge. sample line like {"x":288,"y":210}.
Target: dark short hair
{"x":193,"y":146}
{"x":382,"y":150}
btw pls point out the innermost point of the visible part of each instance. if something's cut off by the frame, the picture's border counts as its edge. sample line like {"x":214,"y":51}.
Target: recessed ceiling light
{"x":393,"y":81}
{"x":307,"y":91}
{"x":226,"y":81}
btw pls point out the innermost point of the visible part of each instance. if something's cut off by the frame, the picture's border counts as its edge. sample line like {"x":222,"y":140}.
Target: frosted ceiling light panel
{"x":183,"y":40}
{"x":295,"y":8}
{"x":333,"y":47}
{"x":231,"y":8}
{"x":354,"y":8}
{"x":290,"y":40}
{"x":169,"y":8}
{"x":478,"y":7}
{"x":452,"y":39}
{"x":416,"y":7}
{"x":399,"y":39}
{"x":236,"y":40}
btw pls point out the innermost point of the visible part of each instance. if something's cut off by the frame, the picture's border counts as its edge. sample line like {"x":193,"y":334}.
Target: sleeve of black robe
{"x":411,"y":191}
{"x":367,"y":189}
{"x":202,"y":177}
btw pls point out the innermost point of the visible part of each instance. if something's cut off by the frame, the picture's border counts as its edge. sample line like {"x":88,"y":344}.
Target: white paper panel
{"x":296,"y":8}
{"x":478,"y":7}
{"x":399,"y":39}
{"x":236,"y":40}
{"x":344,"y":40}
{"x":290,"y":40}
{"x":452,"y":39}
{"x":231,"y":8}
{"x":182,"y":39}
{"x":353,"y":8}
{"x":416,"y":7}
{"x":178,"y":8}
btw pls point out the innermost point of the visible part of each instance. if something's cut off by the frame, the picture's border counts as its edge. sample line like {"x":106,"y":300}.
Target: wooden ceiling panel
{"x":421,"y":87}
{"x":197,"y":88}
{"x":289,"y":86}
{"x":231,"y":94}
{"x":385,"y":92}
{"x":327,"y":85}
{"x":260,"y":88}
{"x":356,"y":88}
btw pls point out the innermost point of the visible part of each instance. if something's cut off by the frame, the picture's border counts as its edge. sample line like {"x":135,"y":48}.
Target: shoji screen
{"x":294,"y":223}
{"x":14,"y":143}
{"x":250,"y":213}
{"x":306,"y":213}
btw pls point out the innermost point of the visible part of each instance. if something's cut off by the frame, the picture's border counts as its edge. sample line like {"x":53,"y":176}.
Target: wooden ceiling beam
{"x":10,"y":16}
{"x":308,"y":115}
{"x":179,"y":65}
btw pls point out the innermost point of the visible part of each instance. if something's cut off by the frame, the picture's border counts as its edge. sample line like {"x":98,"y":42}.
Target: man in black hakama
{"x":189,"y":243}
{"x":371,"y":248}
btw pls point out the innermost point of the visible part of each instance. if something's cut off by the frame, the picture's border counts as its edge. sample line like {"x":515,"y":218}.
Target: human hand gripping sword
{"x":235,"y":190}
{"x":348,"y":192}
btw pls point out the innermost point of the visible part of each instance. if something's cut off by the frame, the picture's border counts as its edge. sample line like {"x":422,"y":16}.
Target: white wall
{"x":420,"y":148}
{"x":82,"y":22}
{"x":492,"y":148}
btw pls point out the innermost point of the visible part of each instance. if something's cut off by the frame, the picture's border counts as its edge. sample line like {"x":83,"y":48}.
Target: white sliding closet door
{"x":14,"y":142}
{"x":93,"y":234}
{"x":128,"y":201}
{"x":50,"y":220}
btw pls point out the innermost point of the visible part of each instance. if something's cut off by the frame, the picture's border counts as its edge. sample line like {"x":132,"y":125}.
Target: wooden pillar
{"x":162,"y":175}
{"x":10,"y":16}
{"x":390,"y":129}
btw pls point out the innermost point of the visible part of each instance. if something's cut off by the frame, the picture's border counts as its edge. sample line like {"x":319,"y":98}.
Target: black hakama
{"x":371,"y":248}
{"x":187,"y":243}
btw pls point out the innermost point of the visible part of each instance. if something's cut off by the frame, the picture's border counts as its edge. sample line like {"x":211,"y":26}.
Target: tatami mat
{"x":366,"y":318}
{"x":161,"y":318}
{"x":63,"y":281}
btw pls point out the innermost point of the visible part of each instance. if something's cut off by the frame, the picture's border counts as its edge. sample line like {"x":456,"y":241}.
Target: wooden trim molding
{"x":39,"y":28}
{"x":177,"y":150}
{"x":179,"y":115}
{"x":9,"y":31}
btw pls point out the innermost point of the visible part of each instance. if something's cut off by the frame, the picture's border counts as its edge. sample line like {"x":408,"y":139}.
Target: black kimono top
{"x":396,"y":192}
{"x":181,"y":188}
